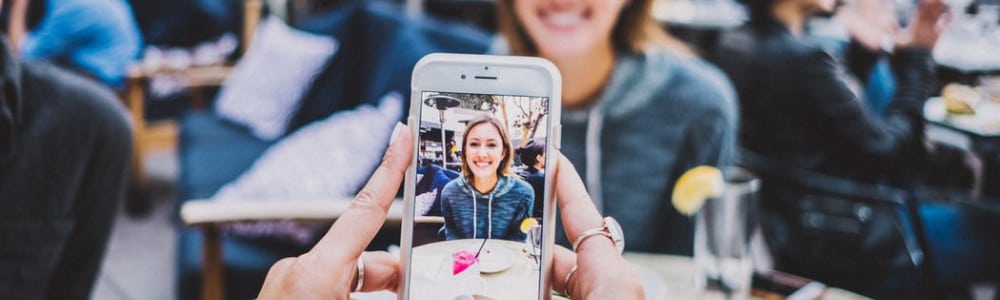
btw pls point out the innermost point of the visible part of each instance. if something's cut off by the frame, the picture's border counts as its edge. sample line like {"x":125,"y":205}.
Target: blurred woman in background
{"x":639,"y":108}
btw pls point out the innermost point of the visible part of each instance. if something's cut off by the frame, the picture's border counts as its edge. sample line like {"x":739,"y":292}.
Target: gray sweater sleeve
{"x":450,"y":193}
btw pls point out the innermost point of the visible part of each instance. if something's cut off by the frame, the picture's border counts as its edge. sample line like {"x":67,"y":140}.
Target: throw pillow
{"x":264,"y":89}
{"x":328,"y":159}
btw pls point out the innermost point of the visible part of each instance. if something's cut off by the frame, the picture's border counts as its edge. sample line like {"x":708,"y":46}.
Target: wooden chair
{"x":151,"y":136}
{"x":210,"y":215}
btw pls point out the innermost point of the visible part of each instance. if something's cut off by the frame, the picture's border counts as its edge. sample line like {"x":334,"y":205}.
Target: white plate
{"x":495,"y":259}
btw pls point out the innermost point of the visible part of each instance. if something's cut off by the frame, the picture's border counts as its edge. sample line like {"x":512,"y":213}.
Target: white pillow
{"x":329,"y":158}
{"x":267,"y":83}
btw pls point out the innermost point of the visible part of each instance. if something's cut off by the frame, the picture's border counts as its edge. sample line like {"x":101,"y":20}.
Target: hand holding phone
{"x":331,"y":269}
{"x":600,"y":271}
{"x":477,"y":215}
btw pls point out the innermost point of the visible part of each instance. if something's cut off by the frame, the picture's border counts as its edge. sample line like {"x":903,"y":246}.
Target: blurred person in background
{"x":532,"y":155}
{"x":98,"y":38}
{"x":798,"y":109}
{"x":65,"y":147}
{"x":639,"y":108}
{"x":798,"y":112}
{"x":872,"y":26}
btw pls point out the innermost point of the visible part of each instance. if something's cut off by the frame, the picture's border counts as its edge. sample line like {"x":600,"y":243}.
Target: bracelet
{"x":361,"y":275}
{"x":589,"y":233}
{"x":610,"y":229}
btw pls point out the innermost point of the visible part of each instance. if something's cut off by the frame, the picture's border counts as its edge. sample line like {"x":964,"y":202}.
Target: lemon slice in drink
{"x":695,"y":186}
{"x":527,"y":224}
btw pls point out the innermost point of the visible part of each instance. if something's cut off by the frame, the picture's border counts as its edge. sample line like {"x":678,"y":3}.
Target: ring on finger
{"x":361,"y":275}
{"x":568,"y":276}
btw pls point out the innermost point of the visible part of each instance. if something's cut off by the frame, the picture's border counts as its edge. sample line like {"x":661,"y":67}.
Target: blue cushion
{"x":962,"y":241}
{"x":378,"y":48}
{"x":212,"y":153}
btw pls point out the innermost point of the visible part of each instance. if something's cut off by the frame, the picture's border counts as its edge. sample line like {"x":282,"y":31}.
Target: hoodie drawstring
{"x":489,"y":215}
{"x":595,"y":122}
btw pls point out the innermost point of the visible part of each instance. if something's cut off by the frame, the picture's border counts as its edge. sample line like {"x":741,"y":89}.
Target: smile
{"x":564,"y":19}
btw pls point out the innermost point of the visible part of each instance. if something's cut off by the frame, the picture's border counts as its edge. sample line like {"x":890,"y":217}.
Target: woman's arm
{"x":823,"y":89}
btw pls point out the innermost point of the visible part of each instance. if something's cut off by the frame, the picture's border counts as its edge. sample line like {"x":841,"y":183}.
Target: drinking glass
{"x":534,"y":245}
{"x":723,"y":226}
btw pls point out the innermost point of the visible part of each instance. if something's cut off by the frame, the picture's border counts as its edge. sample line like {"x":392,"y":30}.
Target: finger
{"x":356,"y":227}
{"x":275,"y":282}
{"x":577,"y":209}
{"x":381,"y":272}
{"x":562,"y":261}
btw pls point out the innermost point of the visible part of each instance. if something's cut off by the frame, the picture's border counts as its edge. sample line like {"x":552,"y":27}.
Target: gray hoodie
{"x":497,"y":214}
{"x":659,"y":115}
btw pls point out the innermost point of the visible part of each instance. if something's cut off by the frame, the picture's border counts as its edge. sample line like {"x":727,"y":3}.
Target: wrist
{"x":610,"y":229}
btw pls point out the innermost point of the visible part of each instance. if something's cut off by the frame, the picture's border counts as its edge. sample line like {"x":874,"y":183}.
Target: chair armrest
{"x":203,"y":211}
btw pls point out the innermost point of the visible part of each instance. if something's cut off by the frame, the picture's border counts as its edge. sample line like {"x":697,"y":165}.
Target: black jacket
{"x":796,"y":107}
{"x":65,"y":147}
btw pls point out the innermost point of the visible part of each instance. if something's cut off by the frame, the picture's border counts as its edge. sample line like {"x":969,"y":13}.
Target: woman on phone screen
{"x":487,"y":201}
{"x":639,"y":108}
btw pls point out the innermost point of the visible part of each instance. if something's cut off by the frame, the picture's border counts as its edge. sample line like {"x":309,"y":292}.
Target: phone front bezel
{"x":494,"y":75}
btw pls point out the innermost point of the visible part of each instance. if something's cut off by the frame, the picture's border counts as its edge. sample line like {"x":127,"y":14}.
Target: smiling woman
{"x":486,"y":188}
{"x":639,"y":108}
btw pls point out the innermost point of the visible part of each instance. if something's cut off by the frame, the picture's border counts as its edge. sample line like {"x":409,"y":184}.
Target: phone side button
{"x":557,"y":136}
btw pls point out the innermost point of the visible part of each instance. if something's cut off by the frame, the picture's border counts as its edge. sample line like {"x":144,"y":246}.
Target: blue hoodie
{"x":660,"y":114}
{"x":493,"y":214}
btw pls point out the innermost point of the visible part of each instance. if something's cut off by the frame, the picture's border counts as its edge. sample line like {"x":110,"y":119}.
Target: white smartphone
{"x":479,"y":210}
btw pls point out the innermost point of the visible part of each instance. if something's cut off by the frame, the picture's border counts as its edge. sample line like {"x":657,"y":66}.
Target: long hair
{"x":634,"y":31}
{"x":508,"y":151}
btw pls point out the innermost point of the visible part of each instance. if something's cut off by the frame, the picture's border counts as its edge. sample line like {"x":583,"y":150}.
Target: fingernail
{"x":396,"y":131}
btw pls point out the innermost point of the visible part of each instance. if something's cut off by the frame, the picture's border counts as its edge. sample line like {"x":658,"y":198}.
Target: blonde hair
{"x":508,"y":149}
{"x":635,"y":30}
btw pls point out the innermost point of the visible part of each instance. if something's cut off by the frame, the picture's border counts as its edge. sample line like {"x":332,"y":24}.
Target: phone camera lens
{"x":463,"y":76}
{"x":487,"y":68}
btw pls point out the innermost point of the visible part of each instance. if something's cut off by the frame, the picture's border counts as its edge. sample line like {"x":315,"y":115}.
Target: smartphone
{"x":478,"y":203}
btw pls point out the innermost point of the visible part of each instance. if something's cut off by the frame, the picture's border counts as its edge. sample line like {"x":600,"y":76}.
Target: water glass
{"x":723,"y":226}
{"x":533,"y":243}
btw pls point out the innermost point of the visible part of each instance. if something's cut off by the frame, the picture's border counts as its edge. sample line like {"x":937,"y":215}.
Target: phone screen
{"x":479,"y":196}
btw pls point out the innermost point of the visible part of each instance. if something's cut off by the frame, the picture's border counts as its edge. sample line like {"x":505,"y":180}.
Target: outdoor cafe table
{"x":978,"y":133}
{"x":507,"y":269}
{"x":663,"y":277}
{"x":672,"y":277}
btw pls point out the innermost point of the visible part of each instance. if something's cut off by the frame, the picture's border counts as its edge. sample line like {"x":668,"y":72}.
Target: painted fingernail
{"x":396,"y":131}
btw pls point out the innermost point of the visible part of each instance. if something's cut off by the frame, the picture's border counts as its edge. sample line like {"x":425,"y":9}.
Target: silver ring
{"x":568,"y":276}
{"x":361,"y":274}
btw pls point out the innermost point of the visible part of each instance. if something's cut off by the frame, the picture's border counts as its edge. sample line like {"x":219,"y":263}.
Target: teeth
{"x":564,"y":19}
